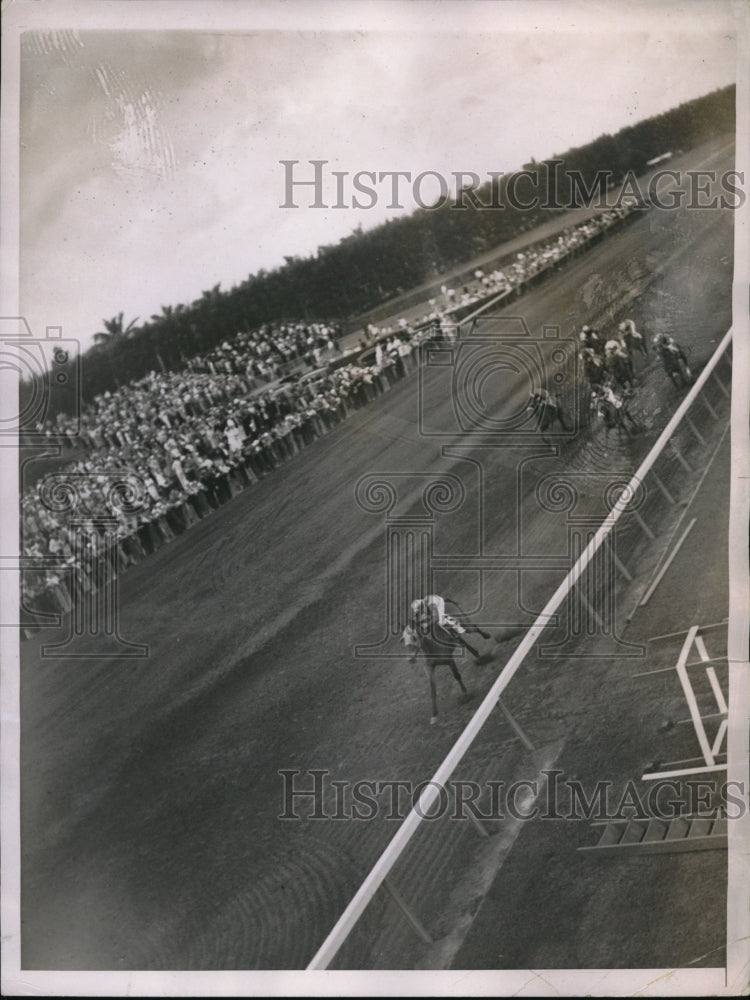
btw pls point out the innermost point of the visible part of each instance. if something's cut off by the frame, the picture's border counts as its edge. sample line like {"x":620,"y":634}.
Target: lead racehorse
{"x":437,"y":646}
{"x":437,"y":636}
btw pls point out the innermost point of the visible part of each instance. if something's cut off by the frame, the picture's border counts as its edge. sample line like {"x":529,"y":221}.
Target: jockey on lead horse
{"x":427,"y":611}
{"x":435,"y":635}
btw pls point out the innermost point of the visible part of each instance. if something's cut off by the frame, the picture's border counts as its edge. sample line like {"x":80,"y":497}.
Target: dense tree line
{"x":364,"y":269}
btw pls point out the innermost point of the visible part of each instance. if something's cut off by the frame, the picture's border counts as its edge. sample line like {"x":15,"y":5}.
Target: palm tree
{"x":207,"y":313}
{"x":115,"y":330}
{"x":168,"y":329}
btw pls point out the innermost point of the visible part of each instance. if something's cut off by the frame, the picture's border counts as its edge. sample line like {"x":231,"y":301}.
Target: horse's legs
{"x":429,"y":669}
{"x":544,"y":424}
{"x":479,"y":631}
{"x":460,"y":638}
{"x":454,"y":670}
{"x":636,"y":427}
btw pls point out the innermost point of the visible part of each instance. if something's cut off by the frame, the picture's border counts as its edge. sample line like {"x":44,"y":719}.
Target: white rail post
{"x":687,"y":688}
{"x":407,"y":911}
{"x":665,"y":492}
{"x":694,"y":429}
{"x":619,"y":563}
{"x":643,"y":526}
{"x":680,"y":458}
{"x":721,"y":385}
{"x":708,"y":406}
{"x":514,"y":724}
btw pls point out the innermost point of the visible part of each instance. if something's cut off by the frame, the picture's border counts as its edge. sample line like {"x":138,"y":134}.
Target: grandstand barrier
{"x":395,"y":848}
{"x":461,"y":313}
{"x":408,"y":300}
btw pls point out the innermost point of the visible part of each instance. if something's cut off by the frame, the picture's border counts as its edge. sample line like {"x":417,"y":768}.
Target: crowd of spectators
{"x":512,"y":274}
{"x":180,"y":443}
{"x":177,"y":445}
{"x":263,"y":353}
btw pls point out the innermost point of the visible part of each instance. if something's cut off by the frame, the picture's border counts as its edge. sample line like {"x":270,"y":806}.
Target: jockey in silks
{"x":611,"y":405}
{"x":549,"y":409}
{"x":593,"y":367}
{"x":430,"y":610}
{"x":632,"y":340}
{"x":590,"y":338}
{"x":671,"y":355}
{"x":618,"y":363}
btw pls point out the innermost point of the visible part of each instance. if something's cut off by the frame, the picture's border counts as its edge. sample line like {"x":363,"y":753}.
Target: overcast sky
{"x":150,"y":159}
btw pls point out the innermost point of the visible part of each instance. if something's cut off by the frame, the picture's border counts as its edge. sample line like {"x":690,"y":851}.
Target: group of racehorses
{"x":608,"y":367}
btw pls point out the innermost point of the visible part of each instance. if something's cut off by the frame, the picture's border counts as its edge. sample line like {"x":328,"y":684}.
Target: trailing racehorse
{"x":611,"y":407}
{"x":632,"y":339}
{"x":618,"y":364}
{"x":674,"y":360}
{"x":548,"y":410}
{"x":594,"y":370}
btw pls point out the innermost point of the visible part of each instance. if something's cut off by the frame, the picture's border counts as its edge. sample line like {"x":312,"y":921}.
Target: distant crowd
{"x":162,"y":452}
{"x":511,"y":277}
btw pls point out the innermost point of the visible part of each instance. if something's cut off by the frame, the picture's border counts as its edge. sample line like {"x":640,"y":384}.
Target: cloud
{"x":150,"y":160}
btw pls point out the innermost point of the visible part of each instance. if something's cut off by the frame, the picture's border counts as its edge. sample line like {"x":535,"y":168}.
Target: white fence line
{"x":408,"y":828}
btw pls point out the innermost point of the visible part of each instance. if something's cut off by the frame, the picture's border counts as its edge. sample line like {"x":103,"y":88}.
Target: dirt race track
{"x":151,"y":792}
